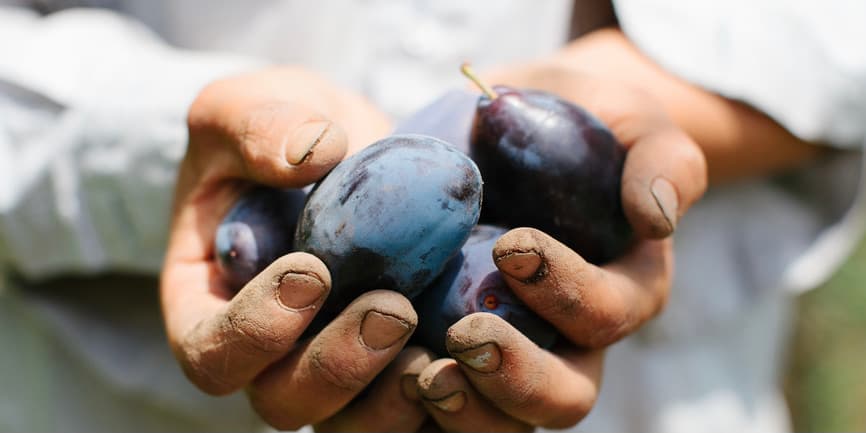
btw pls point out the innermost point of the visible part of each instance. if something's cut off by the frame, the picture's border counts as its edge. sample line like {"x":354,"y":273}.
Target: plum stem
{"x":488,"y":91}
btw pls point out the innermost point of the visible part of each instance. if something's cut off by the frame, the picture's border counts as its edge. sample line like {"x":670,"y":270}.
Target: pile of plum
{"x":404,"y":213}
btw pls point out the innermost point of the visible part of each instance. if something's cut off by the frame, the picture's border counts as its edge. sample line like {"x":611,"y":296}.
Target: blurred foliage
{"x":826,"y":380}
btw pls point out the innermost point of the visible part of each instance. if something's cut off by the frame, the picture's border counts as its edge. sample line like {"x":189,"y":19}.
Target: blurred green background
{"x":826,"y":379}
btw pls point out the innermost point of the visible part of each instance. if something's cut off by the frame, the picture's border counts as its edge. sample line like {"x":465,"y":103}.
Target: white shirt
{"x":91,"y":129}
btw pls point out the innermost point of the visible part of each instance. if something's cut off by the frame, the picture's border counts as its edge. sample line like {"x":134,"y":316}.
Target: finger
{"x":222,"y":345}
{"x":392,"y":404}
{"x":255,"y":128}
{"x":591,"y":306}
{"x":524,"y":381}
{"x":316,"y":381}
{"x":456,"y":406}
{"x":664,"y":174}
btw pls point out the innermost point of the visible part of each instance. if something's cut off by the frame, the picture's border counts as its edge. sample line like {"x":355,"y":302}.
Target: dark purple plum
{"x":390,"y":217}
{"x":257,"y":230}
{"x":470,"y":284}
{"x":551,"y":165}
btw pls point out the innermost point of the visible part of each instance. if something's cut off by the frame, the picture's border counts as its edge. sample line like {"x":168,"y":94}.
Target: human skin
{"x":286,"y":128}
{"x":497,"y":379}
{"x":281,"y":127}
{"x":238,"y":129}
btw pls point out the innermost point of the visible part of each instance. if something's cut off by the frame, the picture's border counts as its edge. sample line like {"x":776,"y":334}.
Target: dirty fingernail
{"x":483,"y":359}
{"x":409,"y":387}
{"x":380,"y":331}
{"x":304,"y":139}
{"x":451,"y":403}
{"x":666,"y":199}
{"x":520,"y":265}
{"x":300,"y":291}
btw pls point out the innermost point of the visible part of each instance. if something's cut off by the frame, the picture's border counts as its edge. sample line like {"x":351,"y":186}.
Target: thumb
{"x":240,"y":130}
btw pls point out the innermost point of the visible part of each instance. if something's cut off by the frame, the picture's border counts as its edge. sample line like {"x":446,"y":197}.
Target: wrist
{"x":725,"y":129}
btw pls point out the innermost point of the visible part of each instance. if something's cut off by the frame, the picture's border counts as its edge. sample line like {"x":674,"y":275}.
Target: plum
{"x":448,"y":118}
{"x":258,"y":229}
{"x":390,"y":217}
{"x":470,"y":284}
{"x":551,"y":165}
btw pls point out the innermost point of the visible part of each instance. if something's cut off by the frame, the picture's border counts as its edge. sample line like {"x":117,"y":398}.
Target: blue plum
{"x":390,"y":217}
{"x":550,"y":164}
{"x":257,"y":230}
{"x":470,"y":284}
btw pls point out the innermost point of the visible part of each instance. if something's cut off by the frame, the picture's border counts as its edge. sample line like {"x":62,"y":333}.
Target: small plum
{"x":257,"y":230}
{"x":448,"y":118}
{"x":470,"y":284}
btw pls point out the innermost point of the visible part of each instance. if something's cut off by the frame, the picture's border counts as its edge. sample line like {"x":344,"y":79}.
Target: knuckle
{"x":348,"y":376}
{"x":526,"y":395}
{"x":281,"y":423}
{"x":201,"y":373}
{"x":694,"y":175}
{"x":260,"y":125}
{"x":567,"y":305}
{"x":611,"y":319}
{"x":583,"y":406}
{"x":692,"y":154}
{"x":273,"y":413}
{"x":563,"y":302}
{"x":658,"y":295}
{"x":698,"y":162}
{"x":573,"y":413}
{"x":249,"y":336}
{"x":201,"y":111}
{"x":593,"y":322}
{"x":610,"y":327}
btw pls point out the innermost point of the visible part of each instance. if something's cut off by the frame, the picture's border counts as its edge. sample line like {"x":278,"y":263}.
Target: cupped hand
{"x":498,"y":379}
{"x":280,"y":127}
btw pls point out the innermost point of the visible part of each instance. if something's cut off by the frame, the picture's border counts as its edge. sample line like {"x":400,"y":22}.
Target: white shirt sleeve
{"x":802,"y":62}
{"x":92,"y":110}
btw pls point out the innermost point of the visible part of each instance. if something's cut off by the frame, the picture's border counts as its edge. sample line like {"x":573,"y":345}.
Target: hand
{"x":501,"y":381}
{"x":283,"y":128}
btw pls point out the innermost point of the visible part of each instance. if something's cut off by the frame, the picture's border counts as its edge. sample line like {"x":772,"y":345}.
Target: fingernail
{"x":520,"y":265}
{"x":483,"y":359}
{"x":409,"y":387}
{"x":451,"y":403}
{"x":380,"y":331}
{"x":666,"y":199}
{"x":304,"y":139}
{"x":300,"y":291}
